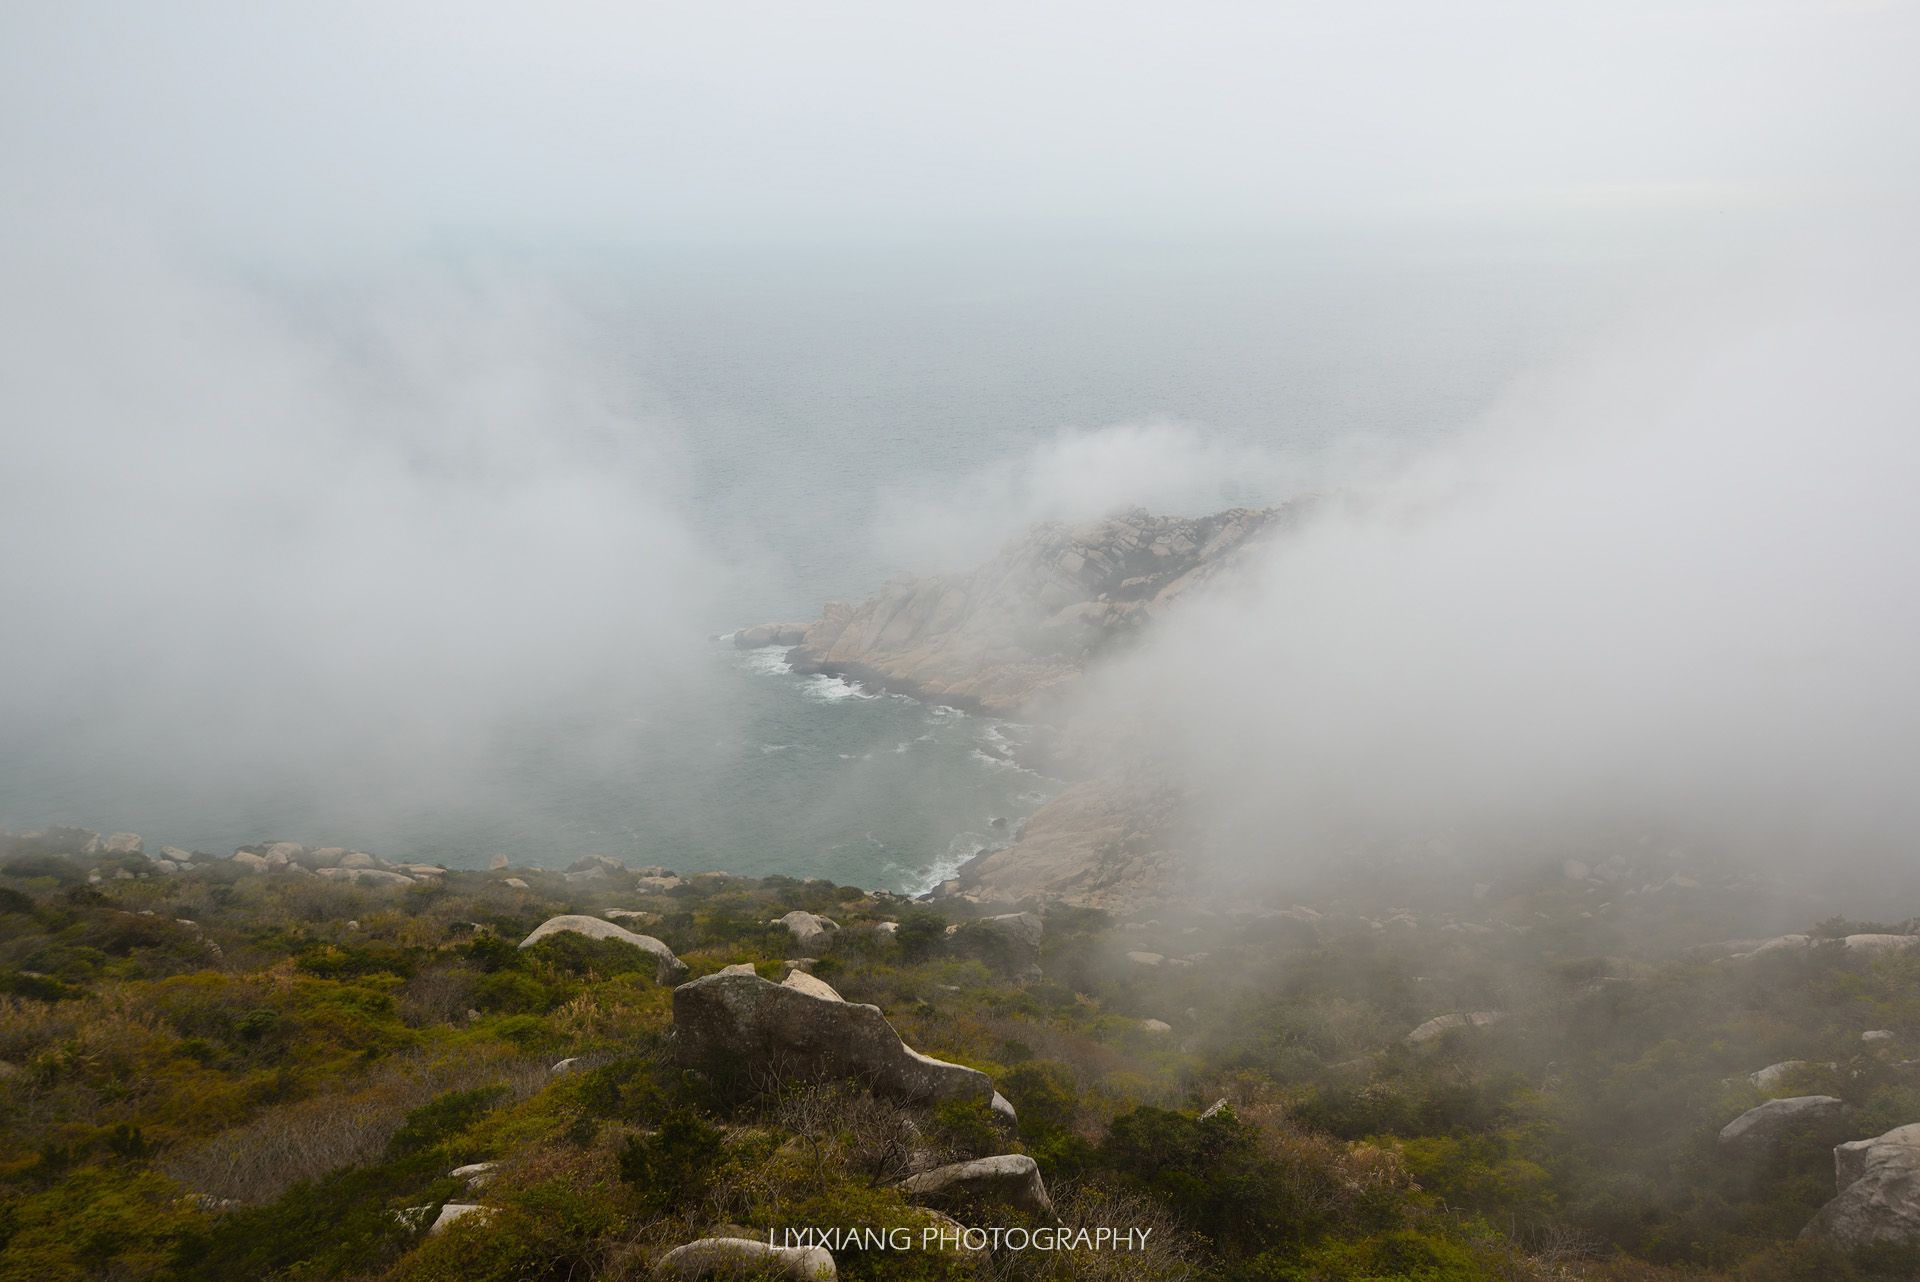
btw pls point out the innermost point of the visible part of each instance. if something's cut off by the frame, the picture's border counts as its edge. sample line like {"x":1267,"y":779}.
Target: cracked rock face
{"x":1878,"y":1200}
{"x":1011,"y":1180}
{"x":666,"y":968}
{"x":797,"y":1035}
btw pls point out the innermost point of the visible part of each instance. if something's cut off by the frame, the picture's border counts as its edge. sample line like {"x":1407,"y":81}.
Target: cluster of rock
{"x":1028,"y":621}
{"x":124,"y":855}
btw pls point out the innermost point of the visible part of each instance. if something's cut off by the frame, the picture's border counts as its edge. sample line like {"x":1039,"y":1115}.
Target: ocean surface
{"x":811,"y":397}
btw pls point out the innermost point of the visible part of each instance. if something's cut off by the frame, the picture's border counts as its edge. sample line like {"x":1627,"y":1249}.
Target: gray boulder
{"x":1009,"y":943}
{"x":124,"y":843}
{"x":740,"y":1257}
{"x":1773,"y":1074}
{"x":1759,"y":1130}
{"x":1011,"y":1180}
{"x":248,"y":861}
{"x":605,"y":863}
{"x":1878,"y":1193}
{"x":812,"y":935}
{"x":796,"y":1034}
{"x":667,"y":965}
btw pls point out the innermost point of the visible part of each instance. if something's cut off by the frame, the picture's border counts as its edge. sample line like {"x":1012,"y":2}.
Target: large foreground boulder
{"x":1011,"y":1180}
{"x":740,"y":1257}
{"x":1009,"y":943}
{"x":1878,"y":1200}
{"x":1760,"y":1130}
{"x":758,"y":1025}
{"x":667,"y":965}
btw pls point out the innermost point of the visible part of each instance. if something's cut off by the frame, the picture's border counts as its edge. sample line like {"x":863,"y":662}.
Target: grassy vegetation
{"x":279,"y":1085}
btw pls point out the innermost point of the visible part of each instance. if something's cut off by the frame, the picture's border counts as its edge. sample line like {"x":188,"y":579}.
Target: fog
{"x":334,"y":458}
{"x":304,"y":128}
{"x":334,"y":542}
{"x":1669,"y":588}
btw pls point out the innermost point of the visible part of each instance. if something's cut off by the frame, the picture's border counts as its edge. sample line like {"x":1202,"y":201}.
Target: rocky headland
{"x":1014,"y":638}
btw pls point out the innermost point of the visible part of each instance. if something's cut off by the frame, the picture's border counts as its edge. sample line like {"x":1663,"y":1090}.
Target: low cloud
{"x":258,"y":539}
{"x":1677,"y":584}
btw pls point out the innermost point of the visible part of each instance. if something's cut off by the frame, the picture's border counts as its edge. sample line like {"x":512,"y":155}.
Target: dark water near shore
{"x":808,"y":395}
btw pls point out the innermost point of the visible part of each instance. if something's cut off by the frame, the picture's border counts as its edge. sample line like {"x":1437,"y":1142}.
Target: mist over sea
{"x":815,"y":402}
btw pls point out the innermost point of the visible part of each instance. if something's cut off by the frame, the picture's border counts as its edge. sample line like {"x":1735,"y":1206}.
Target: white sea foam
{"x":768,"y":661}
{"x":825,"y":689}
{"x":987,"y":758}
{"x":775,"y":747}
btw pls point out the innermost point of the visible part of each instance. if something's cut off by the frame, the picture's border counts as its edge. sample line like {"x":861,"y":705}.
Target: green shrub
{"x":434,"y":1123}
{"x":674,"y":1166}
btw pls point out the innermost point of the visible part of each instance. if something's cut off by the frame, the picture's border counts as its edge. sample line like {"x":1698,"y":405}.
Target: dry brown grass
{"x":305,"y":1140}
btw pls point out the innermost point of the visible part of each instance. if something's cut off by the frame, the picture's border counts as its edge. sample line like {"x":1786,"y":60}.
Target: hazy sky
{"x":292,"y":124}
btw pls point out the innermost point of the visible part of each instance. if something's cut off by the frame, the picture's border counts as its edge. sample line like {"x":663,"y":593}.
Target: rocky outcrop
{"x":1010,"y":1180}
{"x":1456,"y":1019}
{"x":1009,"y":943}
{"x":1112,"y":843}
{"x":667,"y":966}
{"x":745,"y":1022}
{"x":766,"y":634}
{"x":1877,"y":1200}
{"x":1026,"y":624}
{"x":1760,"y":1130}
{"x":743,"y":1257}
